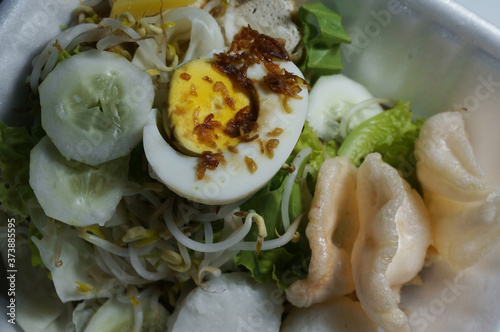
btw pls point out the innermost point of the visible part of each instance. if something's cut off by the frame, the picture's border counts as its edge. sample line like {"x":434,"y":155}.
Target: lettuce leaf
{"x":270,"y":265}
{"x":320,"y":150}
{"x":392,"y":134}
{"x":284,"y":265}
{"x":323,"y":35}
{"x":15,"y":146}
{"x":63,"y":54}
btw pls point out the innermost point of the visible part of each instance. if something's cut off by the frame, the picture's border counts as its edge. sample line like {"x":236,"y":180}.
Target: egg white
{"x":231,"y":180}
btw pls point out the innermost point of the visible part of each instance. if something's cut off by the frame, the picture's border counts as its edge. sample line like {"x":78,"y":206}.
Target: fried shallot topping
{"x":208,"y":160}
{"x":250,"y":47}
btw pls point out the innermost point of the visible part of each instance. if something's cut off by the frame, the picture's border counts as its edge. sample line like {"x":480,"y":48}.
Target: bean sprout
{"x":209,"y":232}
{"x":46,"y":60}
{"x":141,"y":270}
{"x":354,"y":110}
{"x":208,"y":247}
{"x":138,"y":313}
{"x":275,"y":243}
{"x":101,"y":243}
{"x":117,"y":271}
{"x":285,"y":203}
{"x":224,"y":211}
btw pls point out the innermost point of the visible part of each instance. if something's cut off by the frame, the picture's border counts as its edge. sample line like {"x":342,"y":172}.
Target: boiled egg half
{"x":217,"y":143}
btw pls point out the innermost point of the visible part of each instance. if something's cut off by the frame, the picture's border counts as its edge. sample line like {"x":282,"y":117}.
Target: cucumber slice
{"x":331,"y":99}
{"x":116,"y":316}
{"x":95,"y":105}
{"x":76,"y":193}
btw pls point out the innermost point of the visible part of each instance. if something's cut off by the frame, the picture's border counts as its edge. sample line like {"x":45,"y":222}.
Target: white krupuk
{"x":464,"y":206}
{"x":393,"y":238}
{"x":332,"y":229}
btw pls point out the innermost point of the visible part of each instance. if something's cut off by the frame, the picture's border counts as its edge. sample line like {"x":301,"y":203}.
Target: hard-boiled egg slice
{"x":245,"y":164}
{"x":202,"y":108}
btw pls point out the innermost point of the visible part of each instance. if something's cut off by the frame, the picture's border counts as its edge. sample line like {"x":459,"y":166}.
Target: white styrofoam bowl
{"x":439,"y":56}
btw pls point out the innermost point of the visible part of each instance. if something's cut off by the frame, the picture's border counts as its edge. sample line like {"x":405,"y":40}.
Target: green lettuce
{"x":15,"y":146}
{"x":392,"y":134}
{"x":63,"y":55}
{"x":323,"y":35}
{"x":320,"y":150}
{"x":284,"y":265}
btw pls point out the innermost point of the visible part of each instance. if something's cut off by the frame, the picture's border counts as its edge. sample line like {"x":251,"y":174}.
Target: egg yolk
{"x":141,"y":8}
{"x":205,"y":109}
